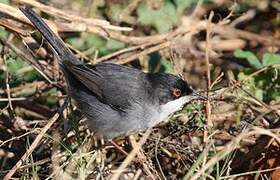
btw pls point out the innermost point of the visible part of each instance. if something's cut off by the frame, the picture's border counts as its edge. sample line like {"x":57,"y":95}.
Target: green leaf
{"x":259,"y":94}
{"x":270,"y":59}
{"x":92,"y":40}
{"x":251,"y":84}
{"x":167,"y":65}
{"x":114,"y":45}
{"x":86,"y":41}
{"x":4,"y":1}
{"x":32,"y":75}
{"x":76,"y":42}
{"x":251,"y":57}
{"x":163,"y":19}
{"x":51,"y":96}
{"x":14,"y":64}
{"x":114,"y":11}
{"x":183,"y":4}
{"x":20,"y":70}
{"x":264,"y":86}
{"x":158,"y":63}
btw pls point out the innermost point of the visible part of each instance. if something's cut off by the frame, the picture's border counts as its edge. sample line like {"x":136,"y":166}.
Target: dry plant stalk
{"x":233,"y":144}
{"x":131,"y":156}
{"x":32,"y":147}
{"x":143,"y":46}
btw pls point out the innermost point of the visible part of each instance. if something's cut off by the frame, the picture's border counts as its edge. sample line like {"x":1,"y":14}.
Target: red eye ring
{"x":176,"y":92}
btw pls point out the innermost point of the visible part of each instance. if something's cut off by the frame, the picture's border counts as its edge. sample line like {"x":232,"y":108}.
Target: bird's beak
{"x":199,"y":96}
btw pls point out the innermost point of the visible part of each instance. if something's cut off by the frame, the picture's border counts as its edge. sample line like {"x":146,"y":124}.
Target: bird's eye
{"x":176,"y":92}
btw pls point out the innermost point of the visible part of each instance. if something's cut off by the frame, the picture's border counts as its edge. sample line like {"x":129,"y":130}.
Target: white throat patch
{"x":173,"y":106}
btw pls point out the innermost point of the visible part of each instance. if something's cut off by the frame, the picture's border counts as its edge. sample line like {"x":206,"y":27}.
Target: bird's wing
{"x":113,"y":84}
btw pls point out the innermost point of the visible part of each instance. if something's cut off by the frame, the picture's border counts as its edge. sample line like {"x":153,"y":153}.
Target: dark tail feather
{"x":65,"y":55}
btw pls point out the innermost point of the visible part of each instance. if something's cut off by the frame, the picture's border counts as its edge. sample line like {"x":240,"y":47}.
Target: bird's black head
{"x":168,"y":87}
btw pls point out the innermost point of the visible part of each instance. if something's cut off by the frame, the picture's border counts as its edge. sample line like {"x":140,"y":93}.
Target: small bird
{"x":116,"y":100}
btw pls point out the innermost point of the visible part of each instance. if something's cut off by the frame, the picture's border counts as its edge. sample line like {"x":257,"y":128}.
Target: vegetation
{"x":228,"y":50}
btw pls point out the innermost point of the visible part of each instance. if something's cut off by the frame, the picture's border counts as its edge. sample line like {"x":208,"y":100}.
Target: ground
{"x":227,"y":50}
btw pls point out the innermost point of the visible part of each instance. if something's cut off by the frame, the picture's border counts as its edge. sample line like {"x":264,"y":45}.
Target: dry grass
{"x":233,"y":135}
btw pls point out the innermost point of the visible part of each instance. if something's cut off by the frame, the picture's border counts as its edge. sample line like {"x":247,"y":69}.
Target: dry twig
{"x":32,"y":147}
{"x":131,"y":156}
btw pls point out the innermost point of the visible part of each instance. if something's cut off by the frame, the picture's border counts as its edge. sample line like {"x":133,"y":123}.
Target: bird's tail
{"x":66,"y":57}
